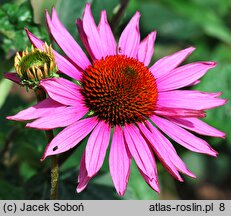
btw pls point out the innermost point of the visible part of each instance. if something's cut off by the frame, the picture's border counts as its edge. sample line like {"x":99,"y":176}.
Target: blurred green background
{"x":204,"y":24}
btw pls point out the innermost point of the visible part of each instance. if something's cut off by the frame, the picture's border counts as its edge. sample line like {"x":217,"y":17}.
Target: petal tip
{"x":225,"y":101}
{"x":12,"y":77}
{"x":223,"y":135}
{"x":29,"y":125}
{"x":157,"y":189}
{"x":87,"y":8}
{"x":213,"y":153}
{"x":79,"y":189}
{"x":137,"y":14}
{"x":192,"y":48}
{"x":153,"y":33}
{"x":121,"y":193}
{"x":53,"y":10}
{"x":48,"y":18}
{"x":211,"y":64}
{"x":43,"y":158}
{"x":11,"y":118}
{"x":192,"y":175}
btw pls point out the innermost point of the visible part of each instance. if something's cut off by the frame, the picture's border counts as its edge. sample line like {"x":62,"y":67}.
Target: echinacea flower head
{"x":119,"y":97}
{"x":33,"y":65}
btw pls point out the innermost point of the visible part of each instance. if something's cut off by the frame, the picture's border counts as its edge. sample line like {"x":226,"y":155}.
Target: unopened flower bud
{"x":34,"y":65}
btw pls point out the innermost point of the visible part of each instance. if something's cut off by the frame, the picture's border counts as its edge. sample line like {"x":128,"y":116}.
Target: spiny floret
{"x":119,"y":90}
{"x":35,"y":64}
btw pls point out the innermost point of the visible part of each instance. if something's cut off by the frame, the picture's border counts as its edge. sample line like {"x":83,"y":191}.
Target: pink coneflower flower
{"x":119,"y":97}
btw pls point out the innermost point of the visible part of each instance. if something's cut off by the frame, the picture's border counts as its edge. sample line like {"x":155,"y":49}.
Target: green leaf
{"x":221,"y":7}
{"x":167,"y":22}
{"x":5,"y":86}
{"x":8,"y":191}
{"x":13,"y":19}
{"x":208,"y":20}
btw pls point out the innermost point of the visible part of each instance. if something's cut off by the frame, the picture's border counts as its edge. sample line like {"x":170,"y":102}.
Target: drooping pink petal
{"x":63,"y":91}
{"x":70,"y":136}
{"x":83,"y":178}
{"x":84,"y":39}
{"x":168,"y":63}
{"x":198,"y":126}
{"x":63,"y":64}
{"x":98,"y":47}
{"x":140,"y":151}
{"x":13,"y":77}
{"x":106,"y":34}
{"x":151,"y":182}
{"x":183,"y":137}
{"x":41,"y":109}
{"x":119,"y":161}
{"x":157,"y":146}
{"x":189,"y":99}
{"x":62,"y":30}
{"x":66,"y":42}
{"x":184,"y":75}
{"x":167,"y":148}
{"x":130,"y":38}
{"x":96,"y":148}
{"x":179,"y":112}
{"x":146,"y":49}
{"x":59,"y":118}
{"x":34,"y":40}
{"x":194,"y":83}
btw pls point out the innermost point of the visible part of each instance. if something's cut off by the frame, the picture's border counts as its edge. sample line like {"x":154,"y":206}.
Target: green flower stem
{"x":119,"y":14}
{"x":41,"y":95}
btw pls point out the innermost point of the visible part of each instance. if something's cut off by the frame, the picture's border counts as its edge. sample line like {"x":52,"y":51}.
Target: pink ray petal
{"x":70,"y":137}
{"x":168,"y":63}
{"x":13,"y":77}
{"x":62,"y":30}
{"x":83,"y":178}
{"x":41,"y":109}
{"x":120,"y":161}
{"x":146,"y":49}
{"x":59,"y":118}
{"x":84,"y":39}
{"x":183,"y":137}
{"x":184,"y":76}
{"x":130,"y":38}
{"x":96,"y":148}
{"x":151,"y":182}
{"x":98,"y":47}
{"x":63,"y":64}
{"x":189,"y":99}
{"x":194,"y":83}
{"x":157,"y":146}
{"x":66,"y":42}
{"x":106,"y":34}
{"x":198,"y":126}
{"x":179,"y":112}
{"x":63,"y":91}
{"x":167,"y":148}
{"x":140,"y":151}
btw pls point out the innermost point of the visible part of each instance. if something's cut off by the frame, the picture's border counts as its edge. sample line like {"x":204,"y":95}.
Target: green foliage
{"x":5,"y":86}
{"x":13,"y":19}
